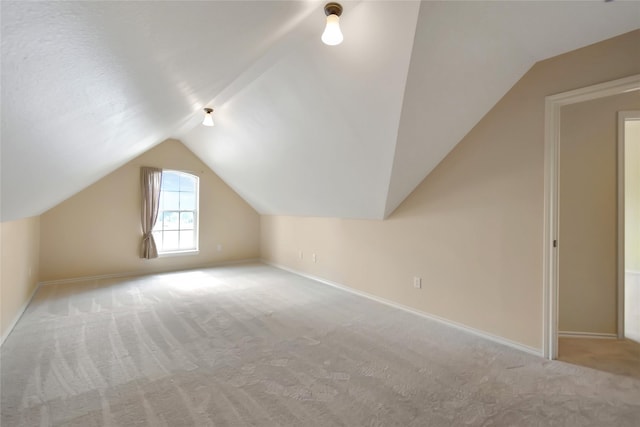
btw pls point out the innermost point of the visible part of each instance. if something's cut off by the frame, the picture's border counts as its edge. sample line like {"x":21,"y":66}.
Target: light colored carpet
{"x":620,"y":357}
{"x":253,"y":345}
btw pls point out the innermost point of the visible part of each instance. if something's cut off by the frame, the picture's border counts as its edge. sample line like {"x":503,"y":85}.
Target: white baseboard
{"x":459,"y":326}
{"x":144,"y":273}
{"x":574,"y":334}
{"x":19,"y":315}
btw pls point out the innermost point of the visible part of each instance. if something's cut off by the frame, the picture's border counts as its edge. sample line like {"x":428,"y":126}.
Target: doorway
{"x":629,"y":223}
{"x":552,"y":241}
{"x":592,"y":199}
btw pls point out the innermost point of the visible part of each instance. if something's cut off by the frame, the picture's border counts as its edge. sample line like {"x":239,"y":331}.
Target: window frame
{"x":196,"y":217}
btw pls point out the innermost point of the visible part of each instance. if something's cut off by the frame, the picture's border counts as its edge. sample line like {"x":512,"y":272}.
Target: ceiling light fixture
{"x":208,"y":118}
{"x":332,"y":34}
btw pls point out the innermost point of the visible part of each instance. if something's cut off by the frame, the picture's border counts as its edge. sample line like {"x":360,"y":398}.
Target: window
{"x":176,"y":228}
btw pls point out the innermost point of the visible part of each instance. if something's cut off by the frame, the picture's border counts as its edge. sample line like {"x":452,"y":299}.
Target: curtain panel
{"x":151,"y":180}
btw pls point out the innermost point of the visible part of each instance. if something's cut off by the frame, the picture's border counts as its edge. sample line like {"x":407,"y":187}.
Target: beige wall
{"x":632,"y":196}
{"x":19,"y":246}
{"x":588,"y":214}
{"x":97,"y":231}
{"x":473,"y":228}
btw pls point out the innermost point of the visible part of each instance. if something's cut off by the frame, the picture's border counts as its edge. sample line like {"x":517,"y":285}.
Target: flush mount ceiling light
{"x":208,"y":118}
{"x":332,"y":34}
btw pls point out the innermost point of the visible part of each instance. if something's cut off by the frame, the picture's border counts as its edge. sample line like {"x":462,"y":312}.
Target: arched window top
{"x":173,"y":180}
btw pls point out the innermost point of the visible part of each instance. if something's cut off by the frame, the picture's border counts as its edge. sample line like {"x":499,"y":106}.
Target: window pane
{"x":187,"y":183}
{"x":170,"y":241}
{"x":170,"y":181}
{"x":158,"y":225}
{"x":186,"y":240}
{"x":157,"y":236}
{"x":160,"y":222}
{"x":171,"y":201}
{"x":188,"y":201}
{"x":171,"y":220}
{"x":186,"y":220}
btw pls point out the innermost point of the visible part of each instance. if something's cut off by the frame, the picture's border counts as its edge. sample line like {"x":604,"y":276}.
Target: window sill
{"x":178,"y":253}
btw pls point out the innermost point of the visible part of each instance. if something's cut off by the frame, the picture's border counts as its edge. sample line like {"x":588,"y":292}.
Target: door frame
{"x":623,"y":116}
{"x":553,"y":106}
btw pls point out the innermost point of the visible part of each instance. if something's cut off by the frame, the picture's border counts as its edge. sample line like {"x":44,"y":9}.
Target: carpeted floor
{"x":253,"y":345}
{"x":620,"y":357}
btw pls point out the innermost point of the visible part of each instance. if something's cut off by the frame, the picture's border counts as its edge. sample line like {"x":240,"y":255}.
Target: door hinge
{"x":555,"y":243}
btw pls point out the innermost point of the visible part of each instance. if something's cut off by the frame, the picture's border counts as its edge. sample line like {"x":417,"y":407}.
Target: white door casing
{"x":553,"y":105}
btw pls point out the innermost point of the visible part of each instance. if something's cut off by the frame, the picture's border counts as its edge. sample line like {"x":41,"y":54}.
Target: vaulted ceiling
{"x":301,"y":128}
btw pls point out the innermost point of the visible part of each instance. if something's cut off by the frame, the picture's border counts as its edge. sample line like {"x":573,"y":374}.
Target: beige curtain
{"x":151,"y":180}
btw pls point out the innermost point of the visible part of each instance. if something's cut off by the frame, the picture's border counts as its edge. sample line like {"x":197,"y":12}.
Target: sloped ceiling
{"x":301,"y":128}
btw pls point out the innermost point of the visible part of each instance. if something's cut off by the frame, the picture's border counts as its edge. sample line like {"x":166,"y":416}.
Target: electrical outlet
{"x":219,"y":247}
{"x":300,"y":255}
{"x":314,"y":258}
{"x":417,"y":282}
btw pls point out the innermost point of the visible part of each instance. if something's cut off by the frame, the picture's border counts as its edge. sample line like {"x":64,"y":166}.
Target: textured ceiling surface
{"x":301,"y":128}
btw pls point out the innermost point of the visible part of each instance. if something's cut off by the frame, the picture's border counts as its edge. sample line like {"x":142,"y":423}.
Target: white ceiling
{"x":301,"y":128}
